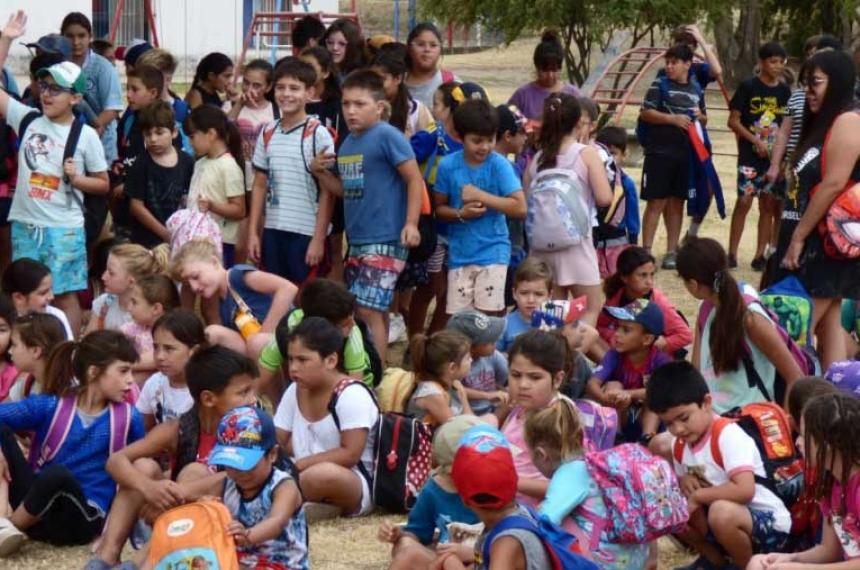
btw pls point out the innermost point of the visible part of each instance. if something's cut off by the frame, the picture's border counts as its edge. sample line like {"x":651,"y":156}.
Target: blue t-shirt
{"x":103,"y":93}
{"x":259,"y":303}
{"x":488,"y":374}
{"x":515,"y":325}
{"x":435,"y":508}
{"x":485,"y":240}
{"x":374,"y":193}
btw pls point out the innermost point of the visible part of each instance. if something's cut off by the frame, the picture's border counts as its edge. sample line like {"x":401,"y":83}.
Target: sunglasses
{"x":815,"y":82}
{"x":52,"y":89}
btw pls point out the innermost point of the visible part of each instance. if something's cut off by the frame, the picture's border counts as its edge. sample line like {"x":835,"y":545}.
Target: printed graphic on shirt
{"x":848,"y":533}
{"x":351,"y":169}
{"x":766,"y":126}
{"x":37,"y":150}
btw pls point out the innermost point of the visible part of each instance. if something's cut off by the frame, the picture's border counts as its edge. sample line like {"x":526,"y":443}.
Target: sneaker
{"x":396,"y":329}
{"x":11,"y":538}
{"x":733,"y":261}
{"x":669,"y":262}
{"x":97,"y":564}
{"x":140,"y":534}
{"x":759,"y":263}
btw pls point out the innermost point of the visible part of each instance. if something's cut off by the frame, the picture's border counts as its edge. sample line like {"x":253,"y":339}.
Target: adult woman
{"x":548,"y":60}
{"x":344,"y":42}
{"x":425,"y":57}
{"x":830,"y":128}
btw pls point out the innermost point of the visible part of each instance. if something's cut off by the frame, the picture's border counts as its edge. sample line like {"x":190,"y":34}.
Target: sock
{"x":693,"y":230}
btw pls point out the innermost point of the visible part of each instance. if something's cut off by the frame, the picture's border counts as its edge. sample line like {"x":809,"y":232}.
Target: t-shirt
{"x":423,"y":92}
{"x":103,"y":93}
{"x":429,"y":388}
{"x":54,"y":311}
{"x":106,"y":307}
{"x":845,"y":525}
{"x":434,"y":509}
{"x":762,"y":108}
{"x":259,"y":303}
{"x":292,"y":202}
{"x":488,"y":374}
{"x":796,"y":106}
{"x":23,"y":387}
{"x":374,"y":193}
{"x":158,"y":398}
{"x":330,"y":114}
{"x":529,"y":98}
{"x":618,"y":368}
{"x":515,"y":325}
{"x":533,"y":548}
{"x":740,"y":455}
{"x":250,"y":123}
{"x":681,"y":99}
{"x":574,"y":387}
{"x":485,"y":240}
{"x":355,"y":410}
{"x":851,"y":316}
{"x":43,"y":199}
{"x":161,"y":189}
{"x":218,"y":179}
{"x":514,"y":430}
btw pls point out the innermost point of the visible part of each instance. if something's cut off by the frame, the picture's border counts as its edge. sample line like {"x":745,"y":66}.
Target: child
{"x":564,"y":319}
{"x":252,"y":108}
{"x":165,"y":396}
{"x":306,"y":33}
{"x":65,"y":500}
{"x":725,"y":500}
{"x":531,"y":288}
{"x":151,"y":297}
{"x":33,"y":338}
{"x":382,"y":189}
{"x":157,"y":183}
{"x":144,"y":87}
{"x":8,"y":371}
{"x":214,"y":75}
{"x":440,"y":363}
{"x":438,"y":504}
{"x":166,"y":63}
{"x":484,"y":385}
{"x":269,"y":524}
{"x":333,"y":456}
{"x":554,"y":437}
{"x":293,"y":190}
{"x":250,"y":302}
{"x":30,"y":285}
{"x":619,"y":382}
{"x":325,"y":100}
{"x":218,"y":184}
{"x":407,"y":115}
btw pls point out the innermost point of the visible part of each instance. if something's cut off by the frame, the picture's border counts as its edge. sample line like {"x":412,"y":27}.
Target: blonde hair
{"x":160,"y":59}
{"x":139,"y":261}
{"x":556,"y":428}
{"x":159,"y":289}
{"x":199,"y":249}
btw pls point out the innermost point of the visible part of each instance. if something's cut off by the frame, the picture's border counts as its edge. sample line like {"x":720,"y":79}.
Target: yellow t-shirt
{"x":219,"y":179}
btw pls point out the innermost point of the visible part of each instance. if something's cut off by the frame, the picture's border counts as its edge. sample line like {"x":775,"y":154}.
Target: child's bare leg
{"x":5,"y":507}
{"x":228,"y":338}
{"x":408,"y":554}
{"x":376,"y":323}
{"x":333,"y":484}
{"x":694,"y":536}
{"x":732,"y":526}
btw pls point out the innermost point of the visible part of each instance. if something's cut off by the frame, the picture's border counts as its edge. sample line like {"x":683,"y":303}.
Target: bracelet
{"x":460,"y":216}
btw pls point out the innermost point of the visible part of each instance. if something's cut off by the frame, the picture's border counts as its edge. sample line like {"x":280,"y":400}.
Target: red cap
{"x":484,"y":466}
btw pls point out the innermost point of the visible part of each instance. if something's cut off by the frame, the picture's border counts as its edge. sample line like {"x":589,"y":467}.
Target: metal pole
{"x":117,"y":14}
{"x":397,"y":20}
{"x":413,"y":14}
{"x":276,"y":27}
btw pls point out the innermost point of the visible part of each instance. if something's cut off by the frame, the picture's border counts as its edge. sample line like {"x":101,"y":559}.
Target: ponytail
{"x":59,"y":373}
{"x":557,"y":429}
{"x":207,"y":117}
{"x":431,"y":354}
{"x":72,"y":360}
{"x":561,"y":114}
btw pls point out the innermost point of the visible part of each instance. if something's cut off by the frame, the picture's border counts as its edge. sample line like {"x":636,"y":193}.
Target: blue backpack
{"x":562,"y":548}
{"x":789,"y":302}
{"x":643,"y":128}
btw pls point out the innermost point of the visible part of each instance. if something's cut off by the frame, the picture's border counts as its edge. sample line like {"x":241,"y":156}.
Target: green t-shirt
{"x":355,"y":359}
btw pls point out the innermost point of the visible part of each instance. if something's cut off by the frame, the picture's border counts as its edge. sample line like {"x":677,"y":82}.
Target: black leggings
{"x":53,"y":495}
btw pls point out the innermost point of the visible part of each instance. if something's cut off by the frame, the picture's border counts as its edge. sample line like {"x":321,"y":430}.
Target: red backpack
{"x":840,"y":227}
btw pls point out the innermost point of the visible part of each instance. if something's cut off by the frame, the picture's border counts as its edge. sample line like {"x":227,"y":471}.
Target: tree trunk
{"x":737,"y":45}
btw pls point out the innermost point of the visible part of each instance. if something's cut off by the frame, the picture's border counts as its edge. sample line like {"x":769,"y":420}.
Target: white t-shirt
{"x":115,"y":316}
{"x":355,"y":410}
{"x":18,"y":390}
{"x":43,"y":199}
{"x":158,"y":398}
{"x":52,"y":310}
{"x":740,"y":454}
{"x":219,"y":179}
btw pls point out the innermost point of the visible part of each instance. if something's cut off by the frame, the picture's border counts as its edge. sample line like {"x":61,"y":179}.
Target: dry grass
{"x":351,"y":543}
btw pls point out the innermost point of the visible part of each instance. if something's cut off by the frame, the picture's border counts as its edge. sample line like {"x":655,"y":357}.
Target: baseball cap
{"x":483,"y":466}
{"x":245,"y":435}
{"x":53,"y":43}
{"x":66,"y":74}
{"x":467,"y":91}
{"x":640,"y":311}
{"x":480,"y":328}
{"x":447,"y":438}
{"x":556,"y":314}
{"x":131,"y":53}
{"x":511,"y":120}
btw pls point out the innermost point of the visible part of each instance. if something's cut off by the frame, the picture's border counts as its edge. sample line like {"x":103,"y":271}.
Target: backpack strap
{"x":518,"y":522}
{"x":58,"y":430}
{"x":447,"y":76}
{"x":310,"y":131}
{"x":268,"y":133}
{"x":332,"y":409}
{"x":717,"y":428}
{"x":25,"y":122}
{"x":28,"y":385}
{"x":120,"y":423}
{"x":678,"y":450}
{"x":705,"y":311}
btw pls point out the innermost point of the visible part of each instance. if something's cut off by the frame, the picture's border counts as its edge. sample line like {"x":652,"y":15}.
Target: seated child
{"x":33,"y":339}
{"x":620,"y":380}
{"x":438,"y":504}
{"x":29,"y":283}
{"x":725,"y":501}
{"x":531,"y":289}
{"x":485,"y":383}
{"x":564,"y":317}
{"x":269,"y":524}
{"x":8,"y":372}
{"x":151,"y":297}
{"x":440,"y":363}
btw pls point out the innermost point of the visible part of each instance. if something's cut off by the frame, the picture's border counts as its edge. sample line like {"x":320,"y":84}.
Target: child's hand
{"x":388,"y":532}
{"x":16,"y":26}
{"x":660,"y":343}
{"x":323,"y":161}
{"x":315,"y":252}
{"x":239,"y":532}
{"x":689,"y":484}
{"x":761,"y":148}
{"x":163,"y":495}
{"x":683,"y":122}
{"x":499,"y":397}
{"x":204,"y":203}
{"x":471,"y":193}
{"x":464,"y":552}
{"x":472,"y":210}
{"x":410,"y":236}
{"x":70,"y":170}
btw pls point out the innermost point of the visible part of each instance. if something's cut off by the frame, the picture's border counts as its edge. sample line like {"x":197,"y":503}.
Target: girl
{"x":575,"y":268}
{"x":344,"y":42}
{"x":440,"y":363}
{"x":165,"y":396}
{"x":407,"y":115}
{"x":218,"y":184}
{"x":736,"y":339}
{"x":213,"y":75}
{"x":555,"y":441}
{"x":151,"y":297}
{"x":333,"y":455}
{"x":29,"y":283}
{"x":548,"y":61}
{"x":8,"y":372}
{"x":33,"y":339}
{"x":634,"y":279}
{"x":828,"y":442}
{"x":424,"y":61}
{"x":65,"y":500}
{"x":326,"y":101}
{"x":126,"y":264}
{"x":250,"y":302}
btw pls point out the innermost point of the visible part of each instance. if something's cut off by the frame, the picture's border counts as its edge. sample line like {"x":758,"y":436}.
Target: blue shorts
{"x":228,"y":255}
{"x":284,"y":254}
{"x":751,"y":182}
{"x":63,"y":250}
{"x":371,"y":273}
{"x":765,"y":538}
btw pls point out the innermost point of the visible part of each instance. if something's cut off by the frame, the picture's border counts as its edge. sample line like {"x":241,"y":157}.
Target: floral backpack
{"x":600,"y":424}
{"x":190,"y":223}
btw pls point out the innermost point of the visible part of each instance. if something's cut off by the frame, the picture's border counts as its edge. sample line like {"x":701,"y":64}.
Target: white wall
{"x":44,"y":17}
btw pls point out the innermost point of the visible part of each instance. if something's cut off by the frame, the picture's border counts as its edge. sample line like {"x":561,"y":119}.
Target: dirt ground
{"x":351,"y":543}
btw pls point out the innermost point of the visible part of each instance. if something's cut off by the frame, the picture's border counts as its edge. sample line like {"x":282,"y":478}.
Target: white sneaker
{"x":11,"y":538}
{"x":396,"y":328}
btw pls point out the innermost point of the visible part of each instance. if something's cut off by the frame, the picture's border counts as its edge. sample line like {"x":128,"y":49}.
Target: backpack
{"x":193,"y":535}
{"x":641,"y":493}
{"x":643,"y":128}
{"x":612,"y":216}
{"x":61,"y":424}
{"x":373,"y":357}
{"x":599,"y":423}
{"x":558,"y":215}
{"x":396,"y":388}
{"x":401,"y":456}
{"x":448,"y":76}
{"x":840,"y":227}
{"x":562,"y":547}
{"x":789,"y":302}
{"x":190,"y":223}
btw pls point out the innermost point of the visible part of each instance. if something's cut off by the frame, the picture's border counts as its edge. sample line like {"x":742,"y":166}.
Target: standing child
{"x":325,"y":100}
{"x":151,"y":297}
{"x":65,"y":498}
{"x":484,"y":385}
{"x":531,"y":288}
{"x":166,"y":63}
{"x":408,"y":115}
{"x":440,"y":362}
{"x":33,"y":338}
{"x":214,"y":75}
{"x":30,"y":285}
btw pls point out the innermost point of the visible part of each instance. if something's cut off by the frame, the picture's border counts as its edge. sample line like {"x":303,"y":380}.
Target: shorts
{"x":665,"y":176}
{"x":753,"y":183}
{"x":414,"y":274}
{"x":438,"y":260}
{"x":366,"y":496}
{"x":480,"y":287}
{"x":5,"y":206}
{"x":371,"y":273}
{"x":63,"y":250}
{"x":575,"y":265}
{"x":284,"y":254}
{"x":607,"y":256}
{"x":765,"y":538}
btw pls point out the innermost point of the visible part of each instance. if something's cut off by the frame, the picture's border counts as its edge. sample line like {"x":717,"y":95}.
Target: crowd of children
{"x":199,"y":296}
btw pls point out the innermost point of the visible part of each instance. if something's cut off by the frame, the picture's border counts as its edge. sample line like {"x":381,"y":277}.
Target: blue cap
{"x":245,"y":435}
{"x":640,"y":311}
{"x":54,"y":43}
{"x":133,"y":52}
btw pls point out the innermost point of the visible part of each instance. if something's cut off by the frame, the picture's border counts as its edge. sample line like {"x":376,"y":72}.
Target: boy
{"x":531,"y":288}
{"x":757,"y":110}
{"x":619,"y":382}
{"x":611,"y":241}
{"x":163,"y":61}
{"x":723,"y":497}
{"x":475,"y":189}
{"x":268,"y":524}
{"x":666,"y":171}
{"x":299,"y":185}
{"x":307,"y":32}
{"x":143,"y":87}
{"x":382,"y":190}
{"x":488,"y":376}
{"x":157,"y":183}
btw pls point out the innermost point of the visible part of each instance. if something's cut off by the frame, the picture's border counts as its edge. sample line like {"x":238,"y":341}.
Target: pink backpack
{"x":190,"y":223}
{"x":600,"y":424}
{"x":641,"y":493}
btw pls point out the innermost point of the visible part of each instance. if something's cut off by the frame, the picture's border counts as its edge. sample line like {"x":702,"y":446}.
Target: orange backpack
{"x":193,"y":536}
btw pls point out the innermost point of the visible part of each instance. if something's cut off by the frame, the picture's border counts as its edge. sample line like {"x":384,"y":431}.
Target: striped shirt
{"x":796,"y":103}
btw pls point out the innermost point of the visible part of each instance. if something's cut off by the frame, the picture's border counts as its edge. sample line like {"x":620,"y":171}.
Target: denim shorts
{"x":371,"y":273}
{"x":63,"y":250}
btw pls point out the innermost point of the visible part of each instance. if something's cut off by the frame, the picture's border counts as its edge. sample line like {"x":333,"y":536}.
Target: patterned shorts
{"x":765,"y":538}
{"x":63,"y":250}
{"x":371,"y":273}
{"x":753,"y":183}
{"x":480,"y":287}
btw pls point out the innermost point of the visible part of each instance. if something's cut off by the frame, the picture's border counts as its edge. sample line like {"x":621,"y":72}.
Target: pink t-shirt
{"x":514,"y":430}
{"x":847,"y":526}
{"x":140,"y":335}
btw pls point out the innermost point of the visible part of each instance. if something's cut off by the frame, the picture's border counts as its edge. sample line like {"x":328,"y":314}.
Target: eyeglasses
{"x":335,"y":44}
{"x":815,"y":82}
{"x":52,"y":89}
